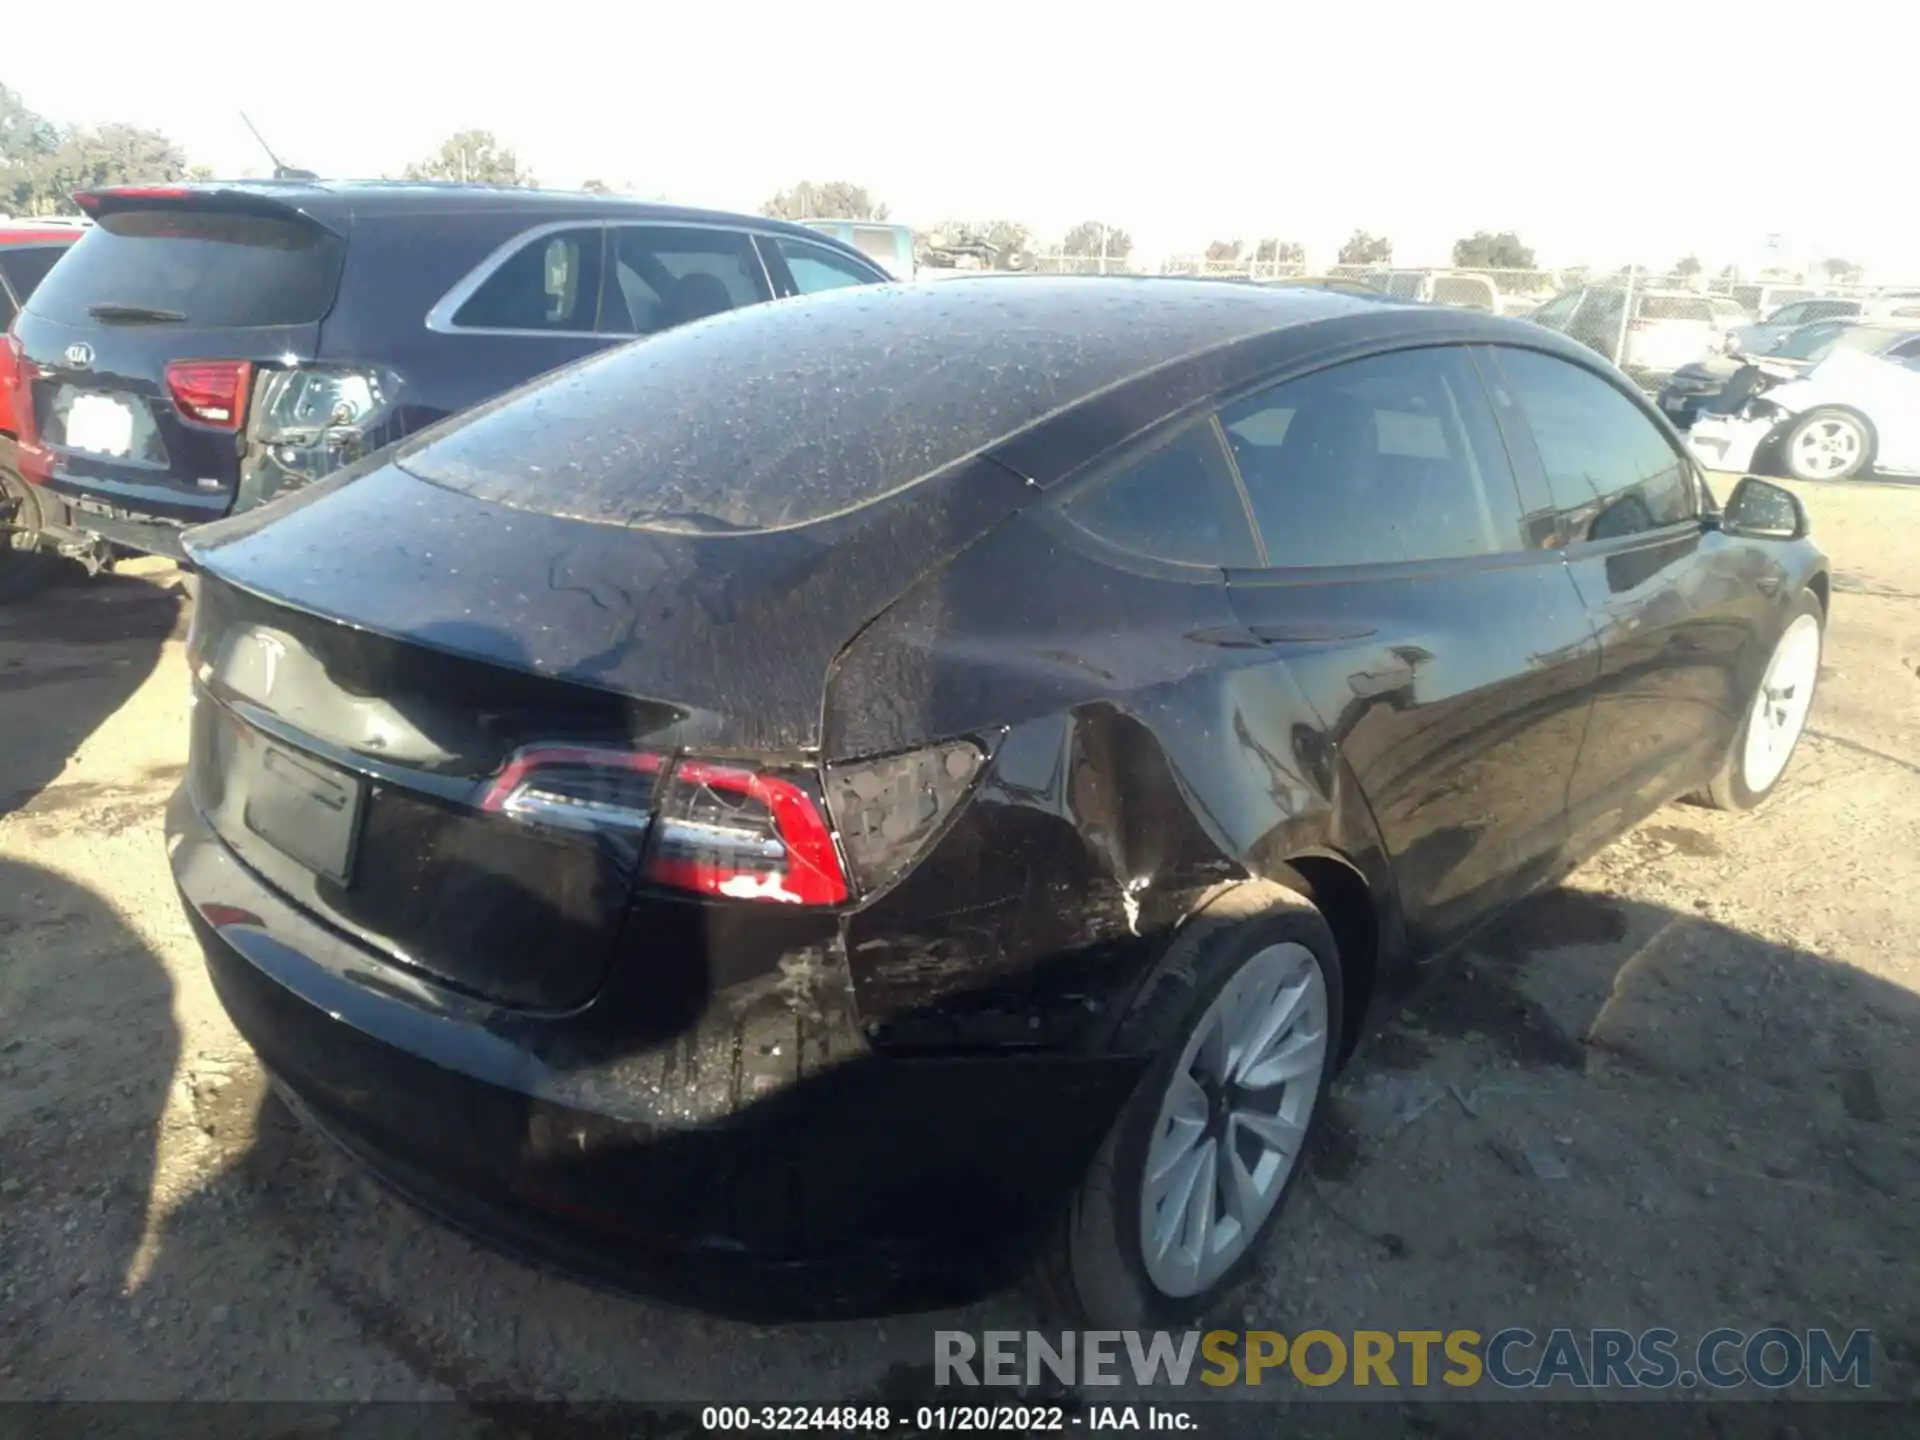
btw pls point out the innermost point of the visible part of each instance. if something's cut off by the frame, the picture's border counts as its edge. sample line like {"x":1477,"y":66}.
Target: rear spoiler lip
{"x":230,"y":199}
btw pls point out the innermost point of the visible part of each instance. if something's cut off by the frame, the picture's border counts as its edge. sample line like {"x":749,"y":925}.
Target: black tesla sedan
{"x":823,"y":808}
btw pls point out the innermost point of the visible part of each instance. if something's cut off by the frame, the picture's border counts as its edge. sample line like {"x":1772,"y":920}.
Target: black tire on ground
{"x":1787,"y":449}
{"x":1729,"y":790}
{"x":1093,"y":1268}
{"x":24,"y":567}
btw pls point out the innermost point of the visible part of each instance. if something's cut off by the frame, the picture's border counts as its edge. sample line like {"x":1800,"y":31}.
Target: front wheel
{"x":1244,"y":1020}
{"x":1827,"y":445}
{"x":1767,"y":737}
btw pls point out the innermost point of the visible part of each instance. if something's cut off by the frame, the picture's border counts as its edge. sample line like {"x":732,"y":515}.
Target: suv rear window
{"x":216,"y":269}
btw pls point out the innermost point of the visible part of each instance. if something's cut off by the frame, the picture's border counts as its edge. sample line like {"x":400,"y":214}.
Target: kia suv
{"x":205,"y":348}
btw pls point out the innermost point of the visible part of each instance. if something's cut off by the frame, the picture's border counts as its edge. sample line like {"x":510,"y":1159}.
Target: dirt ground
{"x":1711,"y":1028}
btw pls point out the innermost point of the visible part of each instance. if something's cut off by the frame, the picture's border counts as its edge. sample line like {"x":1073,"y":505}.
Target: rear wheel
{"x":1777,"y":716}
{"x":24,"y":565}
{"x":1827,"y":445}
{"x":1243,"y":1018}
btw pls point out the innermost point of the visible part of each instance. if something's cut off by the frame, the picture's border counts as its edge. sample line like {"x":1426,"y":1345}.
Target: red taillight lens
{"x":725,"y":830}
{"x":577,"y":787}
{"x":16,"y":377}
{"x":746,"y":835}
{"x":211,"y":392}
{"x":91,"y":200}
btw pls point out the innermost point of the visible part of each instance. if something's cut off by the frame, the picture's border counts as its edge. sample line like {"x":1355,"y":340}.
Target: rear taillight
{"x":728,"y":830}
{"x":744,"y":834}
{"x":309,"y":420}
{"x":34,"y":460}
{"x":211,"y":392}
{"x":577,"y":788}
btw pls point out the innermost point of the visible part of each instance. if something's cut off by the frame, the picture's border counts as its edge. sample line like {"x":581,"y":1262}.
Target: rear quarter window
{"x":217,"y":270}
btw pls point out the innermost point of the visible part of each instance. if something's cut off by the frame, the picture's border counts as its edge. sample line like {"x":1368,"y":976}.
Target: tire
{"x":1827,"y":444}
{"x":24,"y":566}
{"x":1741,"y":784}
{"x":1253,"y":941}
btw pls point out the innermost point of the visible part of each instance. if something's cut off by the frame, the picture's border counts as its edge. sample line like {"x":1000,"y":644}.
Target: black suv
{"x":207,"y":347}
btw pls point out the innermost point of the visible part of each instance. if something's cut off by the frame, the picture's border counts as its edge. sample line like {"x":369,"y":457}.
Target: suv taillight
{"x":309,"y":420}
{"x":17,"y":374}
{"x":210,"y":392}
{"x":735,"y":831}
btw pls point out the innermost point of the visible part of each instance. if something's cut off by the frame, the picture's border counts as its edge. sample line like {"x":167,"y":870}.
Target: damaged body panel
{"x":721,"y":811}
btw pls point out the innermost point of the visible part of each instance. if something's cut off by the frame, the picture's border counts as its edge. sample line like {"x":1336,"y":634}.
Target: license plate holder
{"x":100,"y":425}
{"x":307,"y":810}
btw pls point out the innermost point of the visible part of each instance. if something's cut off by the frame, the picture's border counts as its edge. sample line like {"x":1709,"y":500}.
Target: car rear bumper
{"x":878,"y":1184}
{"x":149,"y":537}
{"x":1727,"y":442}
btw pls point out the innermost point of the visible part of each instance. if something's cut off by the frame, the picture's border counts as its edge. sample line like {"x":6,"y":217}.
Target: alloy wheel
{"x":1780,"y":709}
{"x":1233,"y":1119}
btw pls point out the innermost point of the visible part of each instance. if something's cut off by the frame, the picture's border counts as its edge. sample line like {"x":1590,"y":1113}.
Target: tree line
{"x":42,"y":164}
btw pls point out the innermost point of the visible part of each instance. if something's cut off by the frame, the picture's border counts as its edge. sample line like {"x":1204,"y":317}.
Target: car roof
{"x":345,"y":199}
{"x":872,"y":388}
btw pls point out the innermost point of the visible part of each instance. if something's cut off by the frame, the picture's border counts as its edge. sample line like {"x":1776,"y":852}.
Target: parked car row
{"x":838,"y":803}
{"x":205,"y":348}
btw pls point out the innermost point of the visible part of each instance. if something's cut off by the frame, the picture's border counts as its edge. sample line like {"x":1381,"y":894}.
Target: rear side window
{"x":1177,"y":502}
{"x":550,"y":283}
{"x":207,"y":269}
{"x":1394,"y":458}
{"x":1610,"y":470}
{"x":667,"y":275}
{"x":815,"y":267}
{"x":25,"y":266}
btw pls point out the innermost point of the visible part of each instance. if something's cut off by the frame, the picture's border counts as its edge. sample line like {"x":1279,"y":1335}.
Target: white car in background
{"x":1854,"y":410}
{"x":1756,"y":339}
{"x":1667,"y":329}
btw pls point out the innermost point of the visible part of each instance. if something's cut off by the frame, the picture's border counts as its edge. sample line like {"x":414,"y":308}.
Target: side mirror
{"x":1762,"y":510}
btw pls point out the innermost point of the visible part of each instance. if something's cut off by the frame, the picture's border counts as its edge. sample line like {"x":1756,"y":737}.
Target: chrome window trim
{"x":440,"y":317}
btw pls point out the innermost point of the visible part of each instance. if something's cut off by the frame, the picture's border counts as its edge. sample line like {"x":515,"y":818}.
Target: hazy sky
{"x":1603,"y":133}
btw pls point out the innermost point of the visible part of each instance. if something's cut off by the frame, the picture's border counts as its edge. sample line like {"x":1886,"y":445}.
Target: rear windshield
{"x":211,"y":269}
{"x":1674,"y":307}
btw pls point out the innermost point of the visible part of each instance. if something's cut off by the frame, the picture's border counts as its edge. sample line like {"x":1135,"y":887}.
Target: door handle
{"x":1769,"y":584}
{"x":1367,"y":683}
{"x":1308,"y":632}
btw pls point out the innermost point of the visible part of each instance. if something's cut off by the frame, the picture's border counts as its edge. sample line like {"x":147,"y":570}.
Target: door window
{"x":1557,"y":311}
{"x":1177,"y":502}
{"x":1393,"y":458}
{"x":1610,"y":469}
{"x":815,"y":267}
{"x":551,"y":283}
{"x":667,"y":275}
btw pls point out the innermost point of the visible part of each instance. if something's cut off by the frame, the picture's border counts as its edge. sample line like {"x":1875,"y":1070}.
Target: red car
{"x":28,"y":249}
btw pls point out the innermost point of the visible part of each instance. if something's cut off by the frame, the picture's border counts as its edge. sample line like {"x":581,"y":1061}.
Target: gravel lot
{"x":1711,"y":1027}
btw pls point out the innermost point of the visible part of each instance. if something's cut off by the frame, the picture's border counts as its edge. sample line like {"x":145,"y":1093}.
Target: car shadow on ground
{"x":1607,"y":1112}
{"x":92,"y":643}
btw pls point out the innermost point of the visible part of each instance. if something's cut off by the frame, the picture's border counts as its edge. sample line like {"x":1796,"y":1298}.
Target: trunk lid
{"x":372,"y":653}
{"x":167,"y":276}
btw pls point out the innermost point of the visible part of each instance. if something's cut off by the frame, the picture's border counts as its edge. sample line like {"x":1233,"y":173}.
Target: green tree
{"x":1364,"y":249}
{"x":473,"y":157}
{"x":1224,"y":252}
{"x":1092,"y":238}
{"x":1281,"y":252}
{"x":41,"y":165}
{"x":1841,"y":271}
{"x":1485,"y":250}
{"x":831,"y":200}
{"x":1688,"y":266}
{"x":596,"y":187}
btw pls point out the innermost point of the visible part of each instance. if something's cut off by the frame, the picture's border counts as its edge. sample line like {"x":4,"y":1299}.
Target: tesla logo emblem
{"x":80,"y":355}
{"x":271,"y":653}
